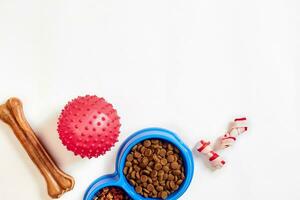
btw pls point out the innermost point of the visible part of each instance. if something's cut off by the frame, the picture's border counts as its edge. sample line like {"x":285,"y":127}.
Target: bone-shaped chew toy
{"x":238,"y":127}
{"x":57,"y":181}
{"x":214,"y":159}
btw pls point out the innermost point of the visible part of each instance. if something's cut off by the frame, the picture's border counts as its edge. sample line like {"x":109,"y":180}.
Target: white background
{"x":190,"y":66}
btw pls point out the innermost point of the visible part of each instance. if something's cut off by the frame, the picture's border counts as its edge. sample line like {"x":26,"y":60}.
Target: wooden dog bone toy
{"x":215,"y":160}
{"x":57,"y":181}
{"x":238,"y":127}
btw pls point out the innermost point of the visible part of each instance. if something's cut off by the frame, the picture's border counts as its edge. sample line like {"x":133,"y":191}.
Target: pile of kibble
{"x":111,"y":193}
{"x":155,"y":168}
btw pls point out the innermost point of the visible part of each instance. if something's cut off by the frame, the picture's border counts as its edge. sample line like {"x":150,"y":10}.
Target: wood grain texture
{"x":57,"y":181}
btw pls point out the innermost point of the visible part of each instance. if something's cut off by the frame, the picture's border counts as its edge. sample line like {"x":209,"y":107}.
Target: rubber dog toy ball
{"x":89,"y":126}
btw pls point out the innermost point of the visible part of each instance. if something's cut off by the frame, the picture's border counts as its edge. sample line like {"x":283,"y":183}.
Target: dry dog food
{"x":155,"y":168}
{"x":111,"y":193}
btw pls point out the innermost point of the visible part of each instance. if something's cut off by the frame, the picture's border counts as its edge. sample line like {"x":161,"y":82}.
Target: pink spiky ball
{"x":89,"y":126}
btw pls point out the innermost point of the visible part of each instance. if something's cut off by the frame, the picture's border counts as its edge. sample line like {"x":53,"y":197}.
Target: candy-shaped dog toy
{"x":237,"y":128}
{"x":215,"y":160}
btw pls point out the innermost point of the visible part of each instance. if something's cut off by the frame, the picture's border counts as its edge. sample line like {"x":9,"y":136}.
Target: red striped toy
{"x":215,"y":160}
{"x":237,"y":128}
{"x":204,"y":147}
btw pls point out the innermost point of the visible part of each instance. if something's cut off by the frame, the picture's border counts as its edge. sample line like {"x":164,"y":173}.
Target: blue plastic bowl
{"x":118,"y":179}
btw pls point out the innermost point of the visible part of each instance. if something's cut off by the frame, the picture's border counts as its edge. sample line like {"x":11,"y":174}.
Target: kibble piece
{"x":177,"y":172}
{"x":138,"y":189}
{"x":171,"y":177}
{"x":109,"y":196}
{"x":170,"y":153}
{"x":139,"y":146}
{"x":148,"y":152}
{"x":166,"y":169}
{"x":175,"y":158}
{"x":161,"y":172}
{"x":144,"y":178}
{"x":174,"y":165}
{"x":162,"y":183}
{"x":149,"y":169}
{"x":156,"y":183}
{"x":143,"y":165}
{"x":147,"y":172}
{"x":137,"y":154}
{"x":157,"y":166}
{"x":135,"y":161}
{"x":179,"y":182}
{"x":145,"y":161}
{"x":132,"y":182}
{"x":134,"y":148}
{"x":136,"y":168}
{"x":128,"y":164}
{"x":147,"y":191}
{"x":155,"y":141}
{"x":170,"y":147}
{"x":150,"y":187}
{"x":133,"y":174}
{"x":172,"y":185}
{"x":164,"y":161}
{"x":155,"y":158}
{"x":164,"y":194}
{"x":166,"y":176}
{"x":129,"y":158}
{"x":130,"y":170}
{"x":153,"y":173}
{"x":162,"y":152}
{"x":125,"y":170}
{"x":159,"y":188}
{"x":147,"y":143}
{"x":160,"y":178}
{"x":170,"y":158}
{"x":151,"y":163}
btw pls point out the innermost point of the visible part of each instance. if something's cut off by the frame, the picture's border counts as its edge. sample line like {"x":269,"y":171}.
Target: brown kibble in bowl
{"x":162,"y":152}
{"x":163,"y":161}
{"x":170,"y":158}
{"x":150,"y":187}
{"x":154,"y":173}
{"x":145,"y":161}
{"x":129,"y":158}
{"x":147,"y":143}
{"x":148,"y":152}
{"x":111,"y":193}
{"x":164,"y":194}
{"x":138,"y":189}
{"x":137,"y":154}
{"x":144,"y":178}
{"x":157,"y":166}
{"x":154,"y":168}
{"x":174,"y":165}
